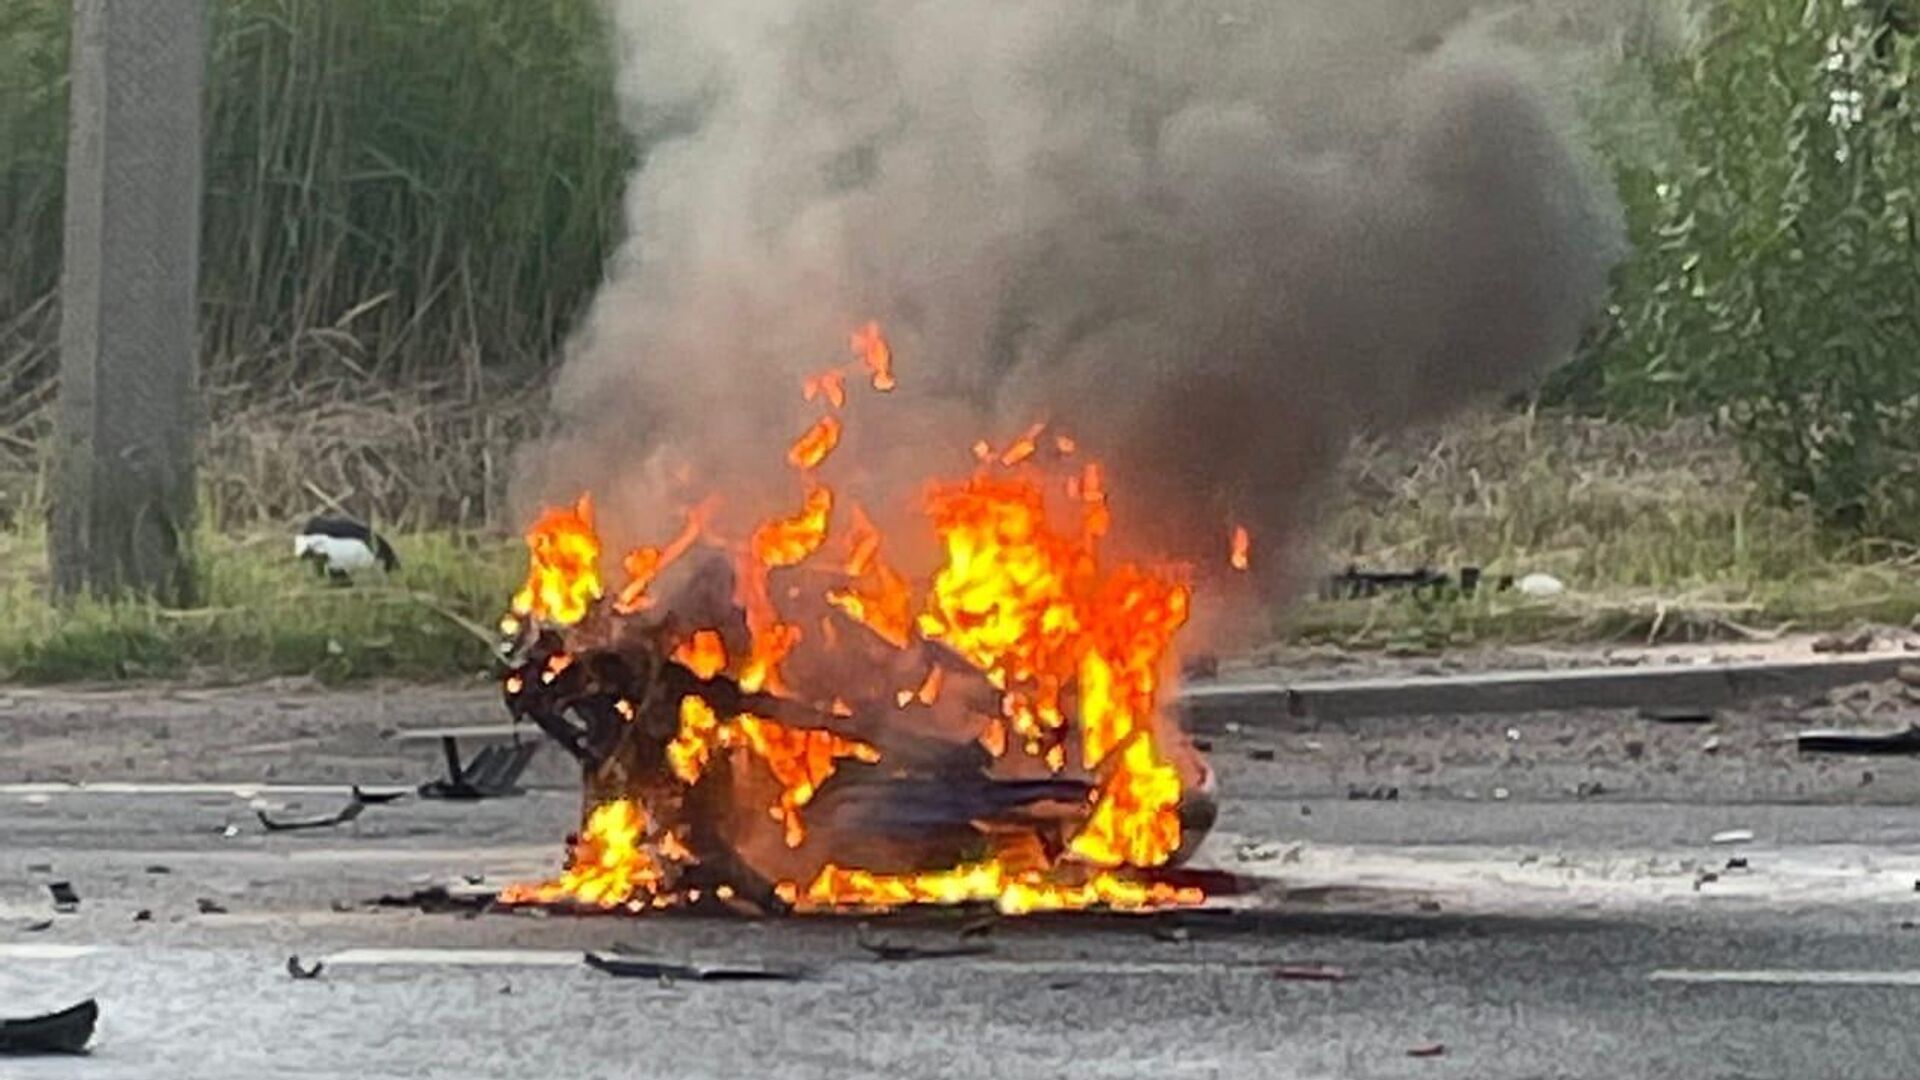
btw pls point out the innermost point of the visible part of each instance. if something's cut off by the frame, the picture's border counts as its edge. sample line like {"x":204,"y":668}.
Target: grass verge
{"x":266,"y":615}
{"x":1655,"y":531}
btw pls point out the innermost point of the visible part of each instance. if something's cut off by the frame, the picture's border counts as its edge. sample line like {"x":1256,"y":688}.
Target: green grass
{"x":1656,"y":531}
{"x":266,"y":615}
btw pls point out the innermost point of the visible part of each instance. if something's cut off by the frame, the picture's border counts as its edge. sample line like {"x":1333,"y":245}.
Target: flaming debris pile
{"x":782,"y":719}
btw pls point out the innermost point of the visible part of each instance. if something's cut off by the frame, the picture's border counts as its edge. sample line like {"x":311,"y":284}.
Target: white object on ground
{"x":1541,"y":585}
{"x":1734,"y":836}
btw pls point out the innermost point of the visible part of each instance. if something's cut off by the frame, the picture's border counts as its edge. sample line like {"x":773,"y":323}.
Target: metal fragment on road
{"x":1310,"y":973}
{"x":893,"y":952}
{"x":637,"y":967}
{"x":64,"y":1032}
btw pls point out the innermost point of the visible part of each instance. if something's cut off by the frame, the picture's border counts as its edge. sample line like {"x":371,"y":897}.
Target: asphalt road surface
{"x":1494,"y":911}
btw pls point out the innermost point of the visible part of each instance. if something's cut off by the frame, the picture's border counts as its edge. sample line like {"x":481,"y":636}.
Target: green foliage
{"x":266,"y":615}
{"x":1776,"y":277}
{"x":422,"y":192}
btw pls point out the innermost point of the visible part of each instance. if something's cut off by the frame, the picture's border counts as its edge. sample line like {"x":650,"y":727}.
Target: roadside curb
{"x":1210,"y":706}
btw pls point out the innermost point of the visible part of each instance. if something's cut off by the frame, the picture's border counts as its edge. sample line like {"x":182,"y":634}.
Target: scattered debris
{"x":625,"y":966}
{"x":1356,"y":584}
{"x":1856,"y":641}
{"x":37,"y":926}
{"x":210,"y":907}
{"x":980,"y":927}
{"x":1428,"y":1050}
{"x":1733,"y":836}
{"x":439,"y":899}
{"x":1378,"y":793}
{"x":1677,"y":714}
{"x":230,"y":831}
{"x":157,"y":868}
{"x":1310,"y":973}
{"x":1205,"y":746}
{"x":892,"y":952}
{"x":40,"y":868}
{"x":1711,"y":745}
{"x":1255,"y":852}
{"x":298,"y":971}
{"x":1261,"y":753}
{"x":1513,"y":734}
{"x":345,"y":814}
{"x":1501,"y":794}
{"x":376,"y":798}
{"x":143,"y":915}
{"x":1838,"y":741}
{"x":1705,"y":877}
{"x":1428,"y":906}
{"x":65,"y":900}
{"x":1589,"y":789}
{"x":1172,"y":935}
{"x":65,"y":1032}
{"x":1738,"y":862}
{"x":1634,"y":749}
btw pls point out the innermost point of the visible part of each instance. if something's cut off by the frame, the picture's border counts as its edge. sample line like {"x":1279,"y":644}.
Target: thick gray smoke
{"x":1211,"y":239}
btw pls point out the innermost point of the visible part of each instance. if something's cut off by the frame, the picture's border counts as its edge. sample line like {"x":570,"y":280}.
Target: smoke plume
{"x":1212,"y":239}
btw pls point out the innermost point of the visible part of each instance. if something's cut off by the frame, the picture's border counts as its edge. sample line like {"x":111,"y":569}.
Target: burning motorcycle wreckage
{"x":784,"y":722}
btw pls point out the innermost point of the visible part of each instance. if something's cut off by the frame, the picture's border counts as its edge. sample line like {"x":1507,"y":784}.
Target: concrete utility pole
{"x":129,"y":402}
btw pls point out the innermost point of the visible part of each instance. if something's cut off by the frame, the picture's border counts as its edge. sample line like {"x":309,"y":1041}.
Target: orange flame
{"x":812,"y":448}
{"x":872,"y":348}
{"x":831,"y":385}
{"x":1075,"y":648}
{"x":1239,"y":555}
{"x":608,"y":867}
{"x":644,"y":564}
{"x":563,"y":566}
{"x":792,"y":541}
{"x":704,"y":654}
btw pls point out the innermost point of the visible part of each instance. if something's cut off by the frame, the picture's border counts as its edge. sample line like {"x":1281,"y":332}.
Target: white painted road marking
{"x":238,"y":791}
{"x":35,"y":951}
{"x":455,"y":958}
{"x":1778,"y":977}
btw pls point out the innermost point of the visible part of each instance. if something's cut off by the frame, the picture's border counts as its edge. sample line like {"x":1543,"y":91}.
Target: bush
{"x":1776,"y":277}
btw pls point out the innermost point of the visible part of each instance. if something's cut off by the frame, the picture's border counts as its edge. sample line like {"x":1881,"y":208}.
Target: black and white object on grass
{"x":341,"y":547}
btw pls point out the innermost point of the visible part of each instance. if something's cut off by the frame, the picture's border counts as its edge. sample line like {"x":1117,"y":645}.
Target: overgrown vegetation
{"x":1775,"y":280}
{"x":409,"y":204}
{"x":266,"y":615}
